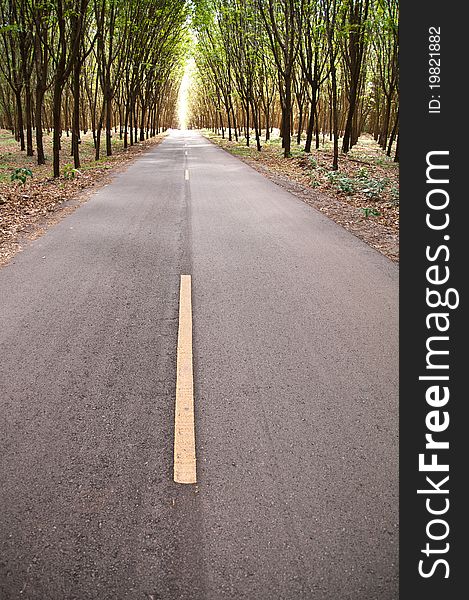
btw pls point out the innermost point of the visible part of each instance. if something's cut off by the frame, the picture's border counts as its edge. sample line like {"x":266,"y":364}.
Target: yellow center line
{"x":186,"y":175}
{"x":184,"y":422}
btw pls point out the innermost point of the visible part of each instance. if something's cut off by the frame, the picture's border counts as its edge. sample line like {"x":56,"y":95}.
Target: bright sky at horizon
{"x":183,"y":103}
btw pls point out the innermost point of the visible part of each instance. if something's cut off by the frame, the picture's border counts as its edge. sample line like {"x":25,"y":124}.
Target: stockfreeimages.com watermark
{"x":440,"y":299}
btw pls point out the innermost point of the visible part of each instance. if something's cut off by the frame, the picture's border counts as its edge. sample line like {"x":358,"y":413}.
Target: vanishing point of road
{"x":293,"y":349}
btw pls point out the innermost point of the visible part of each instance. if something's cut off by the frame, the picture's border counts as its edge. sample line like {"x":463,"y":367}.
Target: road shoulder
{"x":27,"y":212}
{"x":381,"y":237}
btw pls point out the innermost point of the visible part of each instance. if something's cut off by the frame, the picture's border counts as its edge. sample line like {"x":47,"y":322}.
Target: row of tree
{"x":90,"y":65}
{"x":304,"y":66}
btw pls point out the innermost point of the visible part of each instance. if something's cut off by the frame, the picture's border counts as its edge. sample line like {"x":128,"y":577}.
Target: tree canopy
{"x":90,"y":64}
{"x":304,"y":67}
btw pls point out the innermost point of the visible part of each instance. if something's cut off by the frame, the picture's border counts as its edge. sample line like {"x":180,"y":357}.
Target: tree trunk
{"x":255,"y":114}
{"x":134,"y":124}
{"x":335,"y":118}
{"x":230,"y":137}
{"x":393,"y":134}
{"x":396,"y":156}
{"x":57,"y":125}
{"x":41,"y":159}
{"x":248,"y":125}
{"x":19,"y":119}
{"x":76,"y":114}
{"x":142,"y":124}
{"x":346,"y":142}
{"x":108,"y":122}
{"x":316,"y":128}
{"x":287,"y":112}
{"x":310,"y":129}
{"x":29,"y":124}
{"x":97,"y":153}
{"x":385,"y":128}
{"x":300,"y":125}
{"x":235,"y":125}
{"x":126,"y":124}
{"x":99,"y":130}
{"x":267,"y":125}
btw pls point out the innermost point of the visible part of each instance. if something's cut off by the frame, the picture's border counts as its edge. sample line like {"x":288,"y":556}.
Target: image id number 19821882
{"x":434,"y":69}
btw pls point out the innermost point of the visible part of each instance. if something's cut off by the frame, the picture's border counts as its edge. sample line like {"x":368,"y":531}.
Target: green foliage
{"x":314,"y":182}
{"x":381,"y":161}
{"x":370,"y":212}
{"x":69,"y":172}
{"x":341,"y":181}
{"x":12,"y":28}
{"x":361,"y":183}
{"x":374,"y":187}
{"x":296,"y":151}
{"x":21,"y":174}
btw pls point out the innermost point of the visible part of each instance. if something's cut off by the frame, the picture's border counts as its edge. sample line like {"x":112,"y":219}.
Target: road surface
{"x":296,"y":414}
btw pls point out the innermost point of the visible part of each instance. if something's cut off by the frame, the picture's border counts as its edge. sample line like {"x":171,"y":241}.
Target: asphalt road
{"x":295,"y":366}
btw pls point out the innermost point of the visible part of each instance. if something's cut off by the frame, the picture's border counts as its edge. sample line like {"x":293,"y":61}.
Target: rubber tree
{"x":70,"y":16}
{"x":354,"y":44}
{"x":283,"y":22}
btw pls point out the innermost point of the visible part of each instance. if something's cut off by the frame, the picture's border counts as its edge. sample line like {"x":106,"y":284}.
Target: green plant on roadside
{"x":383,"y":161}
{"x":296,"y":151}
{"x":314,"y":183}
{"x":375,"y":187}
{"x":341,"y":181}
{"x":370,"y":212}
{"x":345,"y":184}
{"x":21,"y":174}
{"x":70,"y":172}
{"x":372,"y":188}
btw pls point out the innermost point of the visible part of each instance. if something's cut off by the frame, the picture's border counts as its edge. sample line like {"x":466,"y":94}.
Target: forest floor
{"x":362,"y":196}
{"x":26,"y":210}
